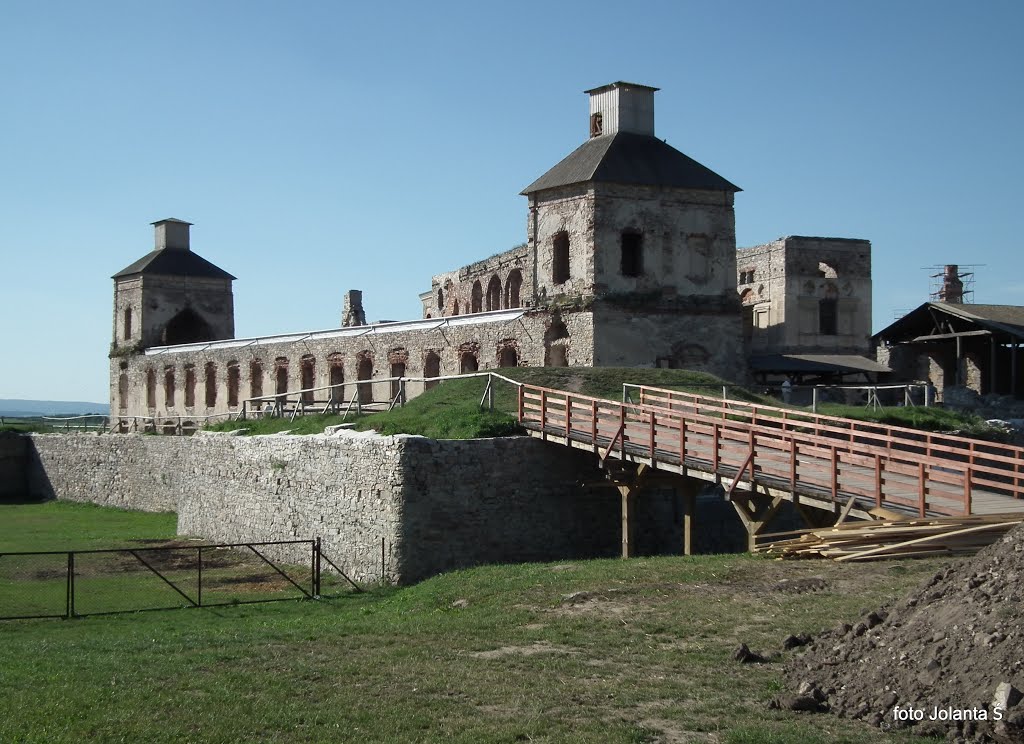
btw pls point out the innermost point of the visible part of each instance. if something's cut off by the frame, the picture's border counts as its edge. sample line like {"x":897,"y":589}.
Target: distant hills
{"x":16,"y":407}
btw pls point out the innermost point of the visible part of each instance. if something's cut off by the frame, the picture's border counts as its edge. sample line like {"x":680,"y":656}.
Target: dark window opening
{"x":431,"y":368}
{"x":150,"y":388}
{"x":455,"y":308}
{"x":632,"y":254}
{"x":280,"y":376}
{"x":828,"y":317}
{"x":190,"y":386}
{"x":364,"y":371}
{"x":127,"y":323}
{"x":440,"y":299}
{"x":185,"y":328}
{"x":596,"y":125}
{"x":397,"y":370}
{"x":494,"y":293}
{"x":560,"y":258}
{"x":336,"y":373}
{"x":255,"y":380}
{"x":508,"y":357}
{"x":234,"y":379}
{"x":308,"y":369}
{"x":169,"y":387}
{"x":468,"y":363}
{"x":211,"y":385}
{"x":477,"y":298}
{"x":122,"y":391}
{"x":513,"y":285}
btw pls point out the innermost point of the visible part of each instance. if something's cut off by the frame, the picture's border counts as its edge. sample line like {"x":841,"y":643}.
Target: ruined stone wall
{"x":687,"y":241}
{"x":782,"y":285}
{"x":702,"y":336}
{"x":500,"y":282}
{"x":350,"y":353}
{"x":155,"y":300}
{"x":437,"y":505}
{"x":556,"y":215}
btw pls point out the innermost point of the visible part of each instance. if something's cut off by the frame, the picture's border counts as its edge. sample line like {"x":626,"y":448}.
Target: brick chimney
{"x":352,"y":311}
{"x":172,"y":233}
{"x":952,"y":287}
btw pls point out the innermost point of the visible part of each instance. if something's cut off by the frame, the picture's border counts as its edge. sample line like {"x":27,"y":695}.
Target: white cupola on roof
{"x":621,"y":107}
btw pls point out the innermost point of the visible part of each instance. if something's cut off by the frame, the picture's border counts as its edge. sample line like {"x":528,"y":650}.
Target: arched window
{"x":397,"y":370}
{"x":280,"y":375}
{"x":364,"y":371}
{"x":255,"y":379}
{"x":455,"y":308}
{"x":127,"y":323}
{"x":431,"y":368}
{"x":468,"y":363}
{"x":211,"y":385}
{"x":234,"y":380}
{"x":122,"y":391}
{"x":513,"y":285}
{"x":494,"y":293}
{"x":308,"y":369}
{"x":168,"y":387}
{"x":440,"y":299}
{"x":508,"y":357}
{"x":477,"y":298}
{"x":560,"y":258}
{"x":190,"y":385}
{"x":151,"y":388}
{"x":336,"y":373}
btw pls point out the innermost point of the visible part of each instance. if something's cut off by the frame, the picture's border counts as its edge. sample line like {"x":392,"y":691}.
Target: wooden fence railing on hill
{"x":818,"y":456}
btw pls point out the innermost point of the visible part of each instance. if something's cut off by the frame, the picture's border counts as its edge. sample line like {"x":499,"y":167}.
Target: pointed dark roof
{"x":626,"y":157}
{"x":174,"y":262}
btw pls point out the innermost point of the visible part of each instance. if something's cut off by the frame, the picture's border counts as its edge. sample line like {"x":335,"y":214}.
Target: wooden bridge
{"x":828,"y":467}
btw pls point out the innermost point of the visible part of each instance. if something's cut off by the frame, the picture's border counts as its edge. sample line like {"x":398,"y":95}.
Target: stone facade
{"x":805,"y":295}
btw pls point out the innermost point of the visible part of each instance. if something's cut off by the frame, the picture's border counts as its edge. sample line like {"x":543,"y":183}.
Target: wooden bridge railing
{"x":813,"y":455}
{"x":992,"y":466}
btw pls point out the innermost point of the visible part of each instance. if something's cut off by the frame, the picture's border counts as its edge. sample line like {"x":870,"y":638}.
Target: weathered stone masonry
{"x":438,"y":505}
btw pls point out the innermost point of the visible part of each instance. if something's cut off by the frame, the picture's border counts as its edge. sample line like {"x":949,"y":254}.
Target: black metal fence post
{"x":314,"y":567}
{"x":199,"y":587}
{"x":71,"y":585}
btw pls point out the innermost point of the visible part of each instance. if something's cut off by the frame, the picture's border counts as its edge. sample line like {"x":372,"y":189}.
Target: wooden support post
{"x":689,"y":493}
{"x":628,"y":521}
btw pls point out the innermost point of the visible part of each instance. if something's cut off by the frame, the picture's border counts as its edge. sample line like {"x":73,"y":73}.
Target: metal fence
{"x":75,"y":583}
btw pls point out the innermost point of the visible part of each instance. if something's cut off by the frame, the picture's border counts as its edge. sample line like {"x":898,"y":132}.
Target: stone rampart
{"x":433,"y":505}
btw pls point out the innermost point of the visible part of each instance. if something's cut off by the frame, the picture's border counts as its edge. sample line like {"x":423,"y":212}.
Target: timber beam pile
{"x":892,"y":538}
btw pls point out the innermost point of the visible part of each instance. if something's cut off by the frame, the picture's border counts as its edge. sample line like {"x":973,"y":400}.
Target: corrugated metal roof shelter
{"x":975,"y":345}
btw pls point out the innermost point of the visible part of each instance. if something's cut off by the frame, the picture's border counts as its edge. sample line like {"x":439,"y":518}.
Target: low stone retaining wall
{"x":433,"y":505}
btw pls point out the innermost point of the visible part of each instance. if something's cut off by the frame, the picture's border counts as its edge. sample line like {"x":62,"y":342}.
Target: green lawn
{"x":62,"y":525}
{"x":583,"y":651}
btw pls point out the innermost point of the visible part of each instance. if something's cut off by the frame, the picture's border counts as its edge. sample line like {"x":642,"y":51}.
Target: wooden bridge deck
{"x":821,"y":461}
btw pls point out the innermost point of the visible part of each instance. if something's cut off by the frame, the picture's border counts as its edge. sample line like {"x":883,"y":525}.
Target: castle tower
{"x":171,"y":295}
{"x":644,"y":234}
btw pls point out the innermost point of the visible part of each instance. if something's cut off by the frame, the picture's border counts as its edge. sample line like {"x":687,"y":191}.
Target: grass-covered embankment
{"x":579,"y":651}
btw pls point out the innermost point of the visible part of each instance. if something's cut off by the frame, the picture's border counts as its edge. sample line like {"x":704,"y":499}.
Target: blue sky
{"x":321,"y":146}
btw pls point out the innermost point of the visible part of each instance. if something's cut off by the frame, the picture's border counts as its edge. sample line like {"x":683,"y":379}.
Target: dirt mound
{"x":938,"y":660}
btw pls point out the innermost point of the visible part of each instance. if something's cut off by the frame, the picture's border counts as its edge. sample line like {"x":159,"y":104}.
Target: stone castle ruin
{"x":630,"y":259}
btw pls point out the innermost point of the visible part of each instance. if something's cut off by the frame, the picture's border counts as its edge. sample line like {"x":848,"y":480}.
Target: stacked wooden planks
{"x":892,"y":538}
